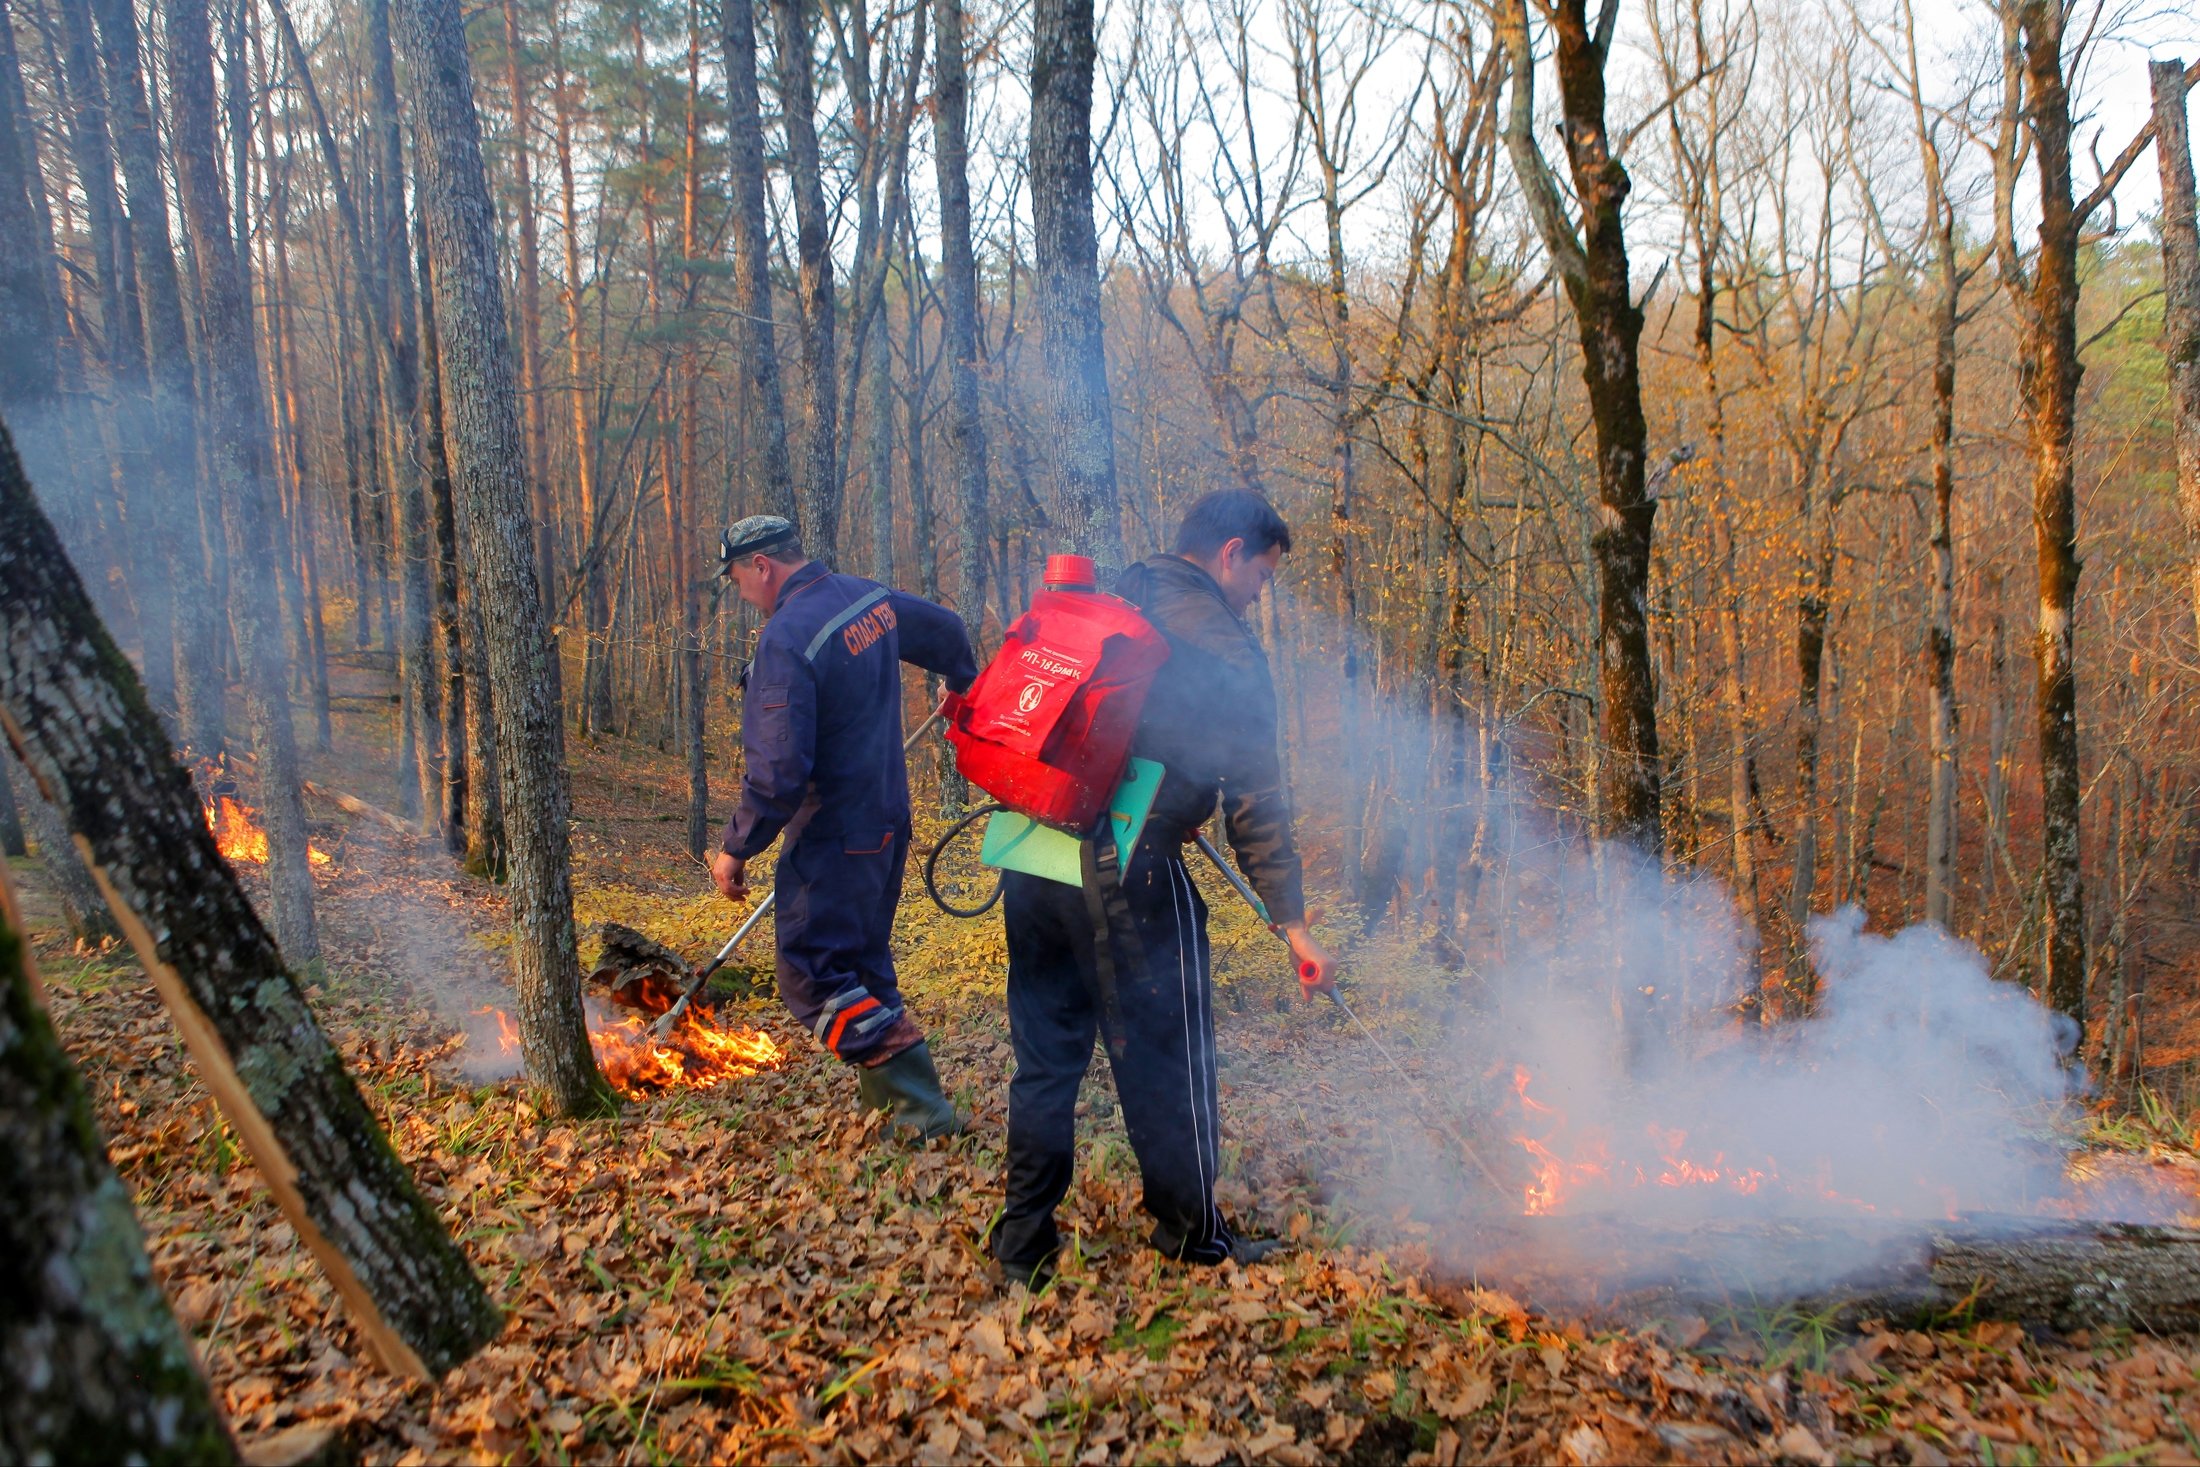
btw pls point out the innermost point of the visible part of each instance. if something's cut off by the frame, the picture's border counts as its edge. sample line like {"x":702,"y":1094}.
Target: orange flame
{"x":239,"y":836}
{"x":696,"y":1055}
{"x":1567,"y":1164}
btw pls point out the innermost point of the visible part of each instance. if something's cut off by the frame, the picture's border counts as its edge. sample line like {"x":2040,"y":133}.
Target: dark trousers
{"x":835,"y":924}
{"x":1161,"y":1047}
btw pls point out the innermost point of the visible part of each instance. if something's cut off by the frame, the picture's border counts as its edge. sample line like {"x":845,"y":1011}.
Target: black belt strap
{"x":1110,"y":912}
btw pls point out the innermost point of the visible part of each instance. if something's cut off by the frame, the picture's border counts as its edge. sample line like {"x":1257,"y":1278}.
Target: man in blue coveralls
{"x":821,"y":739}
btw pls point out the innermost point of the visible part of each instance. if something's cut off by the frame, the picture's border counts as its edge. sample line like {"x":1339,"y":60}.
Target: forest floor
{"x":753,"y":1272}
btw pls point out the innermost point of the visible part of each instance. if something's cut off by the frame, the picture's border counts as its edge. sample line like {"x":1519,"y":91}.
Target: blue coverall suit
{"x":821,"y":737}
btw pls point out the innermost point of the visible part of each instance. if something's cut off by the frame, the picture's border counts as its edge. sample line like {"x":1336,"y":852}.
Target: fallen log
{"x":353,"y":805}
{"x":93,"y":1366}
{"x":75,"y":713}
{"x":2064,"y":1274}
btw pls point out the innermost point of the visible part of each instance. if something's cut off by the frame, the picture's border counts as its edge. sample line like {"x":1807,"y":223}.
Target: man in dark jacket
{"x":1210,"y":720}
{"x":823,"y":764}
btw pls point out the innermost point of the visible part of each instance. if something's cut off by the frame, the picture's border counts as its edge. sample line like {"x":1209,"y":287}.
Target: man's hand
{"x":731,"y":874}
{"x":1317,"y":969}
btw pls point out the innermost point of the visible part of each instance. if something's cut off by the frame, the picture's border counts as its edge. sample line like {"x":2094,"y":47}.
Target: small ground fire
{"x":239,"y":836}
{"x":697,"y":1055}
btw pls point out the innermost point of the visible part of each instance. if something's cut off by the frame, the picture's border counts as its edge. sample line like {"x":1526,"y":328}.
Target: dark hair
{"x":1231,"y":514}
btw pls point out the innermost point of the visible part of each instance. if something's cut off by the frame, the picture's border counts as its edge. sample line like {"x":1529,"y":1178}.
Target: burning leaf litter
{"x":239,"y":836}
{"x":697,"y":1055}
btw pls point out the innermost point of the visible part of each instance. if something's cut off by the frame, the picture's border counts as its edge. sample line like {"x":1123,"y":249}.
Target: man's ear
{"x":1233,"y":549}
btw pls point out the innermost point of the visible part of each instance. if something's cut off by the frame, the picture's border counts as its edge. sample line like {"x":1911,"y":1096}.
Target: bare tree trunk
{"x":595,"y":599}
{"x":2180,"y":295}
{"x":1073,"y":368}
{"x":140,"y":478}
{"x":456,"y":770}
{"x":93,"y":1363}
{"x":76,"y":715}
{"x":530,"y":307}
{"x":491,"y":468}
{"x":2047,"y":377}
{"x":687,"y":520}
{"x":201,"y":691}
{"x":1593,"y":268}
{"x":303,"y":548}
{"x":820,"y":491}
{"x":1944,"y":788}
{"x":11,"y":818}
{"x":242,"y":457}
{"x":966,"y":446}
{"x":773,"y":490}
{"x":420,"y":780}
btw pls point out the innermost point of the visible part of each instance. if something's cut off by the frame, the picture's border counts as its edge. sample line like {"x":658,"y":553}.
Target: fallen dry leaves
{"x":750,"y":1273}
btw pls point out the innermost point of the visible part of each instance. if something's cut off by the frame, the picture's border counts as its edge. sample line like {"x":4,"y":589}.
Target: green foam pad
{"x":1019,"y":843}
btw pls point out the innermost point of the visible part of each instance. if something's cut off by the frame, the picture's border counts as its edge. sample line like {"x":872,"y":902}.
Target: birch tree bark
{"x":76,"y":715}
{"x":92,"y":1361}
{"x":241,"y":457}
{"x":492,"y":479}
{"x":1073,"y":368}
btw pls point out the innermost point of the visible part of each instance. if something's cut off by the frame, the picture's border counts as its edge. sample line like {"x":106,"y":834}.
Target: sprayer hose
{"x":931,"y":867}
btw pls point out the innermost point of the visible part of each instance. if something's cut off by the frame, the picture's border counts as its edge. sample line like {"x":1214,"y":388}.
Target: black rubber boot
{"x":908,"y":1087}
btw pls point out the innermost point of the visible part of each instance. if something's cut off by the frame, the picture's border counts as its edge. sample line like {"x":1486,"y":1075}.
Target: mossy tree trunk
{"x":75,"y":713}
{"x":93,"y":1365}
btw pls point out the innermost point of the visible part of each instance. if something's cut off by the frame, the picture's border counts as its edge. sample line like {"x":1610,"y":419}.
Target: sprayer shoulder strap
{"x":1114,"y":934}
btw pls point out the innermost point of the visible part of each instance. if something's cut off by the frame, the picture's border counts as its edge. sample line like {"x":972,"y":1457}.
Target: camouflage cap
{"x":759,"y":534}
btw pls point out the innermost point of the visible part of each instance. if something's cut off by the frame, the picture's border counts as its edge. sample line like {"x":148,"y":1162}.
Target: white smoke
{"x":1594,"y":1060}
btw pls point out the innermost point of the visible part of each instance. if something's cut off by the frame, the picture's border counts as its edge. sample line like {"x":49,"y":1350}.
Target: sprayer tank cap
{"x":1071,"y":572}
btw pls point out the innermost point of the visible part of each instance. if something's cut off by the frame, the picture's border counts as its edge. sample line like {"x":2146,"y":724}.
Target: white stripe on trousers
{"x":1198,"y":1047}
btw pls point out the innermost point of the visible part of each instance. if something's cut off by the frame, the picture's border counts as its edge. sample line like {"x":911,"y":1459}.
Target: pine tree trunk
{"x":966,"y":446}
{"x":1073,"y":369}
{"x":92,"y":1363}
{"x":2180,"y":295}
{"x":75,"y":714}
{"x":491,"y":473}
{"x":772,"y":487}
{"x":595,"y":601}
{"x":242,"y":459}
{"x":687,"y":525}
{"x":172,"y":427}
{"x":820,"y":487}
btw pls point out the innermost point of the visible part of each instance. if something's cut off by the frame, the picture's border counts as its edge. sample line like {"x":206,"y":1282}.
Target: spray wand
{"x":1308,"y":972}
